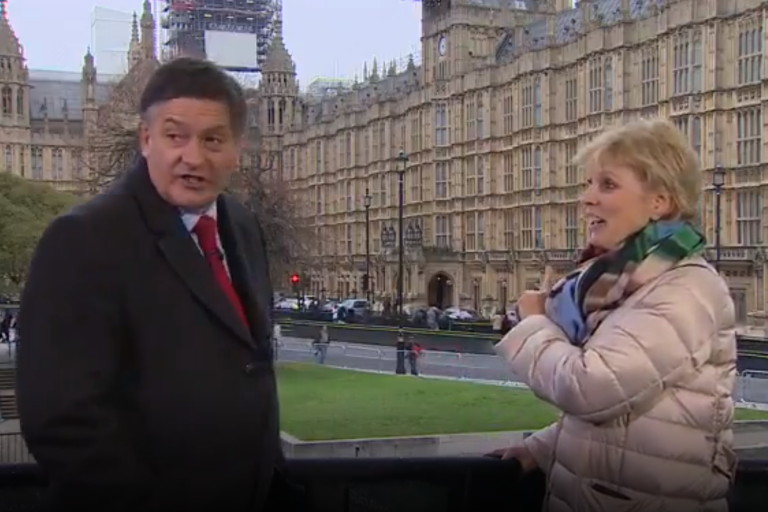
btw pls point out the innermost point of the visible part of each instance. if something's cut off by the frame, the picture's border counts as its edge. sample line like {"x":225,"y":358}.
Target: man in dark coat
{"x":145,"y":382}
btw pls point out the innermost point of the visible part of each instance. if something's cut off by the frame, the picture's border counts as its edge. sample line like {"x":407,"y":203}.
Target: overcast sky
{"x":327,"y":38}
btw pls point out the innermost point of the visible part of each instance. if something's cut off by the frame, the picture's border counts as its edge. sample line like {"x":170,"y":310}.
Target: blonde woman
{"x":637,"y":347}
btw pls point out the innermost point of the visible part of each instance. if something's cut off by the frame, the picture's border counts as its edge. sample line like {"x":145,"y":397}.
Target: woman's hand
{"x":518,"y":452}
{"x":532,"y":302}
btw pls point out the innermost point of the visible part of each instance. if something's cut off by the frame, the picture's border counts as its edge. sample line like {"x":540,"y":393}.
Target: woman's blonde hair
{"x":659,"y":154}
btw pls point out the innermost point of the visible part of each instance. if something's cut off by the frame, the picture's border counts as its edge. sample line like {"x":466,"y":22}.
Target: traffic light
{"x":295,"y":279}
{"x":365,"y":282}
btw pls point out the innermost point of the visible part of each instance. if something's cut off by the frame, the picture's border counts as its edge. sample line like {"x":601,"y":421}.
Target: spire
{"x":9,"y":43}
{"x":135,"y":28}
{"x":278,"y":59}
{"x":374,"y":77}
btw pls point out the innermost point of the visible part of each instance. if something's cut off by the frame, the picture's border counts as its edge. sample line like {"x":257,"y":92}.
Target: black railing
{"x":357,"y":485}
{"x":400,"y":485}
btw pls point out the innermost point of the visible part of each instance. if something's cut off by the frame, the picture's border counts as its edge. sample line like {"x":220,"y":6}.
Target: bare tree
{"x":262,"y":188}
{"x":112,"y":145}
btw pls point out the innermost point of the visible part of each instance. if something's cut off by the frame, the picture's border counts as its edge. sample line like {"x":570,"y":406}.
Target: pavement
{"x":752,"y":388}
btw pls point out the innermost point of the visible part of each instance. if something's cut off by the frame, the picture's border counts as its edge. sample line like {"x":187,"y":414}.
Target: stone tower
{"x":15,"y":124}
{"x":148,"y":39}
{"x":278,"y":93}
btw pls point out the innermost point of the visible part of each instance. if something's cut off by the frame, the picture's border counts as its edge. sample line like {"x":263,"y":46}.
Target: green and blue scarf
{"x":581,"y":301}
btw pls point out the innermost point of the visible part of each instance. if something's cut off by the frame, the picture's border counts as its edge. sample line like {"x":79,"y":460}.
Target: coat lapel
{"x":243,"y":268}
{"x":179,"y":249}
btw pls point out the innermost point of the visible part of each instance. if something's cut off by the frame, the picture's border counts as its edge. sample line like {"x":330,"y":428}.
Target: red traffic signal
{"x":295,"y":279}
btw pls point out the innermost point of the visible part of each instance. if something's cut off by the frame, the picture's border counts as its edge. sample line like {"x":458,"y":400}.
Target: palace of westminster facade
{"x":505,"y":94}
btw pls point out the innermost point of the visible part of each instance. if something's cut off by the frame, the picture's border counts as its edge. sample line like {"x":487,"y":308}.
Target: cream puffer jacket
{"x":647,"y":402}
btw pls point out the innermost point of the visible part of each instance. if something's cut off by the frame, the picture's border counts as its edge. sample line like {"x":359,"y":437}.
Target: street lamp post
{"x":367,"y":204}
{"x":401,"y":157}
{"x":718,"y":181}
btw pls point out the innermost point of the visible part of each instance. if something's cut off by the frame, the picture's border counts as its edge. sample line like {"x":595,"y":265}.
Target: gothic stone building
{"x":46,"y":117}
{"x":506,"y":93}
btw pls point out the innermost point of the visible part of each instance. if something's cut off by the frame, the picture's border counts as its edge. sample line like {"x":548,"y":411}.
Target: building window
{"x":686,"y":63}
{"x":21,"y":109}
{"x":471,"y":118}
{"x":318,"y":157}
{"x":471,"y":231}
{"x":572,"y":226}
{"x":509,"y":230}
{"x":526,"y":229}
{"x":750,"y":52}
{"x":442,"y":180}
{"x":571,"y":97}
{"x":349,"y":239}
{"x":37,"y":163}
{"x":77,"y":164}
{"x":538,"y":118}
{"x":443,"y":232}
{"x":416,"y":188}
{"x":350,"y":197}
{"x":537,"y":162}
{"x":508,"y":107}
{"x":319,"y":200}
{"x":696,"y":135}
{"x":749,"y":225}
{"x":58,"y":164}
{"x":526,"y":168}
{"x":649,"y":76}
{"x":383,"y":190}
{"x":475,"y":231}
{"x":608,"y":84}
{"x":480,"y":175}
{"x":571,"y":170}
{"x":8,"y":158}
{"x":441,"y":125}
{"x":480,"y":116}
{"x":7,"y":100}
{"x":595,"y":86}
{"x":749,"y":135}
{"x":509,"y":172}
{"x":528,"y":104}
{"x":471,"y":165}
{"x":538,"y":228}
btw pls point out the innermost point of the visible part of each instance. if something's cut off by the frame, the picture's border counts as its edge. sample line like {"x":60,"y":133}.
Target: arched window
{"x":58,"y":164}
{"x":7,"y":100}
{"x":37,"y":163}
{"x":9,"y":158}
{"x":21,"y":109}
{"x":608,"y":84}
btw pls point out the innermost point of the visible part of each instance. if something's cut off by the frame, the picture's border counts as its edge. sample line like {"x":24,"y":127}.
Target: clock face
{"x":442,"y":45}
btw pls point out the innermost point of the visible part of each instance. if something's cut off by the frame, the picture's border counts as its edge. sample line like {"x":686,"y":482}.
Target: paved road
{"x":751,"y":388}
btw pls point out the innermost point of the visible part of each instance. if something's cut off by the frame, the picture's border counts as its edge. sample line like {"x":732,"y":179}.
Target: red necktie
{"x":205,"y":229}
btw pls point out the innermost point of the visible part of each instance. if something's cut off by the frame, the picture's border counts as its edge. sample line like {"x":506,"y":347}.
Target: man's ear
{"x":144,"y":142}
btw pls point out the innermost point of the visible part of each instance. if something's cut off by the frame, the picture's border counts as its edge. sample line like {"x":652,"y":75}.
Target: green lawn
{"x":319,"y":403}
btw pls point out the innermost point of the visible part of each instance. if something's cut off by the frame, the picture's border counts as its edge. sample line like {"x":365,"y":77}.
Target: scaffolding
{"x":184,"y":23}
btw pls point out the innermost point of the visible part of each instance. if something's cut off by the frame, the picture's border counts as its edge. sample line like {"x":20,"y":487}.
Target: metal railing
{"x":751,"y":388}
{"x":464,"y":484}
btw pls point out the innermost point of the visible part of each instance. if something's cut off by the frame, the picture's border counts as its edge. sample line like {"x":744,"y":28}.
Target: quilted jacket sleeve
{"x":641,"y":348}
{"x":541,"y":444}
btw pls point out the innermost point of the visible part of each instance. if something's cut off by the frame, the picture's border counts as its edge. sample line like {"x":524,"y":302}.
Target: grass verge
{"x":320,"y":403}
